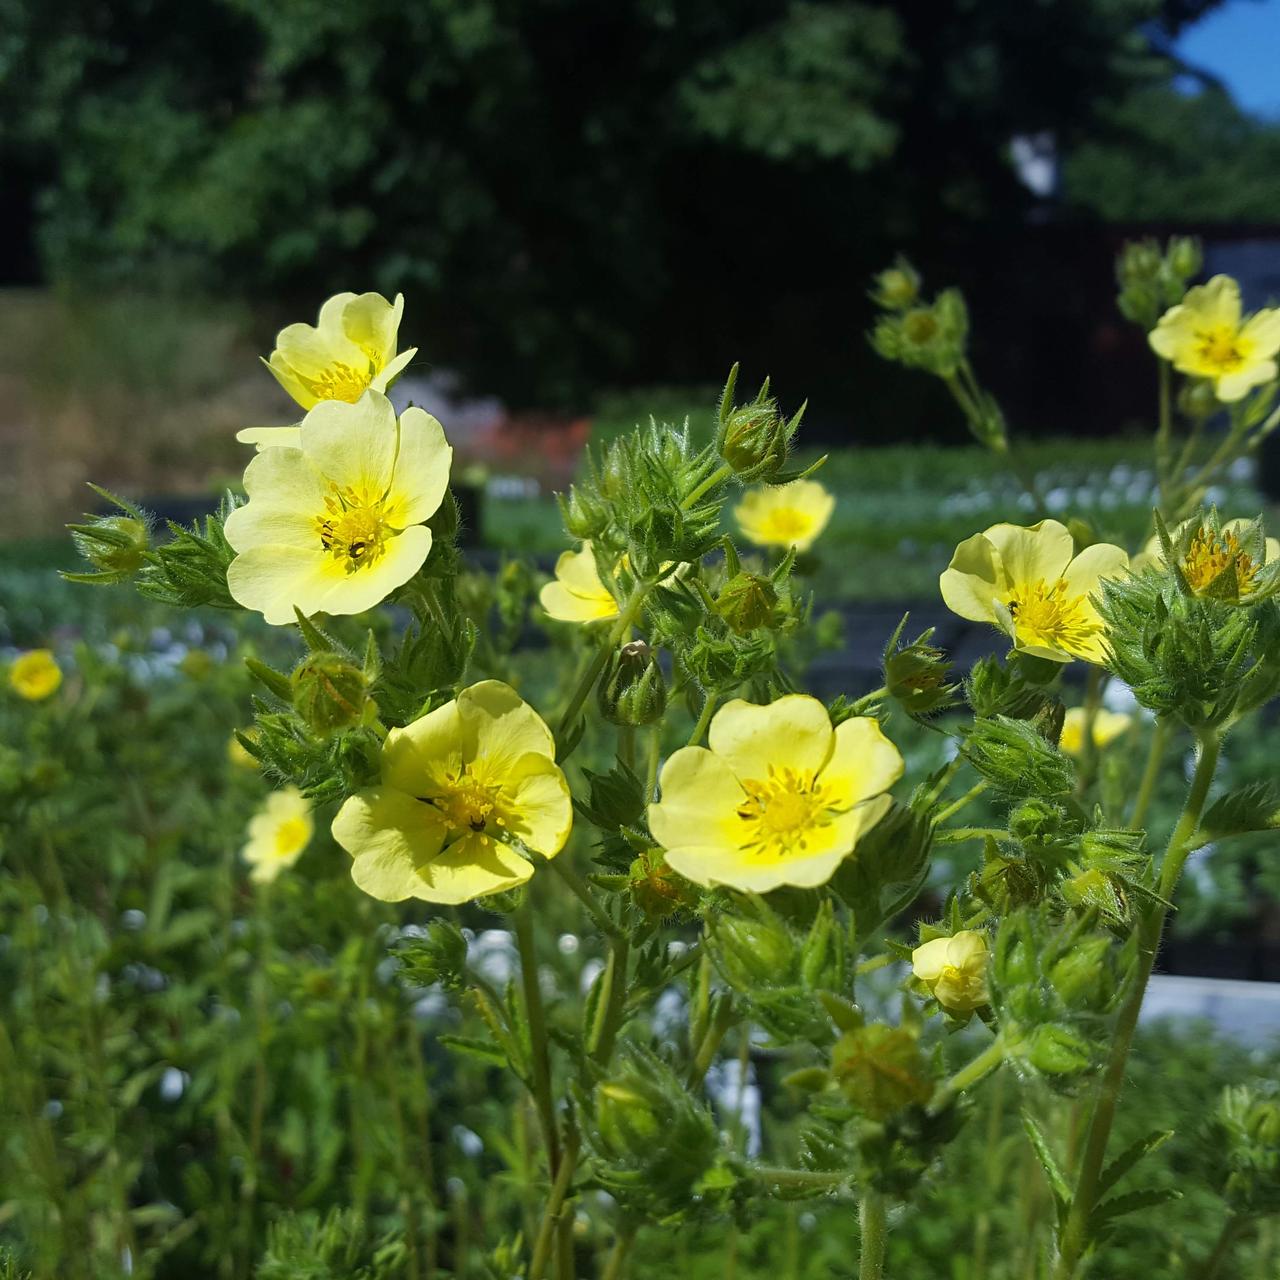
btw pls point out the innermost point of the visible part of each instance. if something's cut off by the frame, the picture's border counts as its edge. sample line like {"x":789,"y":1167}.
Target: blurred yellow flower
{"x":1029,"y":583}
{"x":954,"y":969}
{"x":1211,"y":552}
{"x":278,"y":834}
{"x":787,"y":515}
{"x":578,"y":594}
{"x":35,"y":675}
{"x":351,"y":349}
{"x":1107,"y":727}
{"x":463,"y":790}
{"x":336,"y":524}
{"x":779,"y":798}
{"x":1205,"y":336}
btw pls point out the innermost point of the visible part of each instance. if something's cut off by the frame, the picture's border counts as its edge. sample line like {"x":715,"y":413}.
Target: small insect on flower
{"x":35,"y":675}
{"x":1206,"y":336}
{"x":780,"y":798}
{"x":351,"y":349}
{"x":336,"y":524}
{"x":578,"y":594}
{"x":463,"y":791}
{"x":787,"y":515}
{"x":955,"y":970}
{"x":1107,"y":727}
{"x":1030,"y":584}
{"x":278,"y":834}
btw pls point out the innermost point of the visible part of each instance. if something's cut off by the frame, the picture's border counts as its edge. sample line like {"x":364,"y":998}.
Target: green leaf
{"x":1254,"y":807}
{"x":1057,"y":1180}
{"x":482,"y":1050}
{"x":1118,"y":1206}
{"x":1130,"y":1157}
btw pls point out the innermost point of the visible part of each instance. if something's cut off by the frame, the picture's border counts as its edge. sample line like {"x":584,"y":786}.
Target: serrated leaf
{"x":1130,"y":1157}
{"x":1057,"y":1180}
{"x":1254,"y":807}
{"x":1131,"y":1202}
{"x":482,"y":1050}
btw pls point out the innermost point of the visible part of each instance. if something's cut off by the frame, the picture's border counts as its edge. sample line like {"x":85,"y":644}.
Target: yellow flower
{"x":578,"y":594}
{"x":336,"y":524}
{"x":463,"y":789}
{"x":1210,"y":553}
{"x":278,"y":834}
{"x":780,"y":798}
{"x":350,"y":350}
{"x":1028,"y":583}
{"x":1205,"y":336}
{"x":955,"y":970}
{"x":1107,"y":727}
{"x":787,"y":515}
{"x":35,"y":675}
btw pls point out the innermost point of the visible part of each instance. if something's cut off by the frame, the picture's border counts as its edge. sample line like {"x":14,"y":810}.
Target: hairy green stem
{"x":1230,"y":1233}
{"x":539,"y":1051}
{"x":956,"y":805}
{"x":704,"y":719}
{"x":718,"y":476}
{"x":547,"y":1229}
{"x":1150,"y":775}
{"x":1164,"y":427}
{"x":1074,"y":1239}
{"x":969,"y":1075}
{"x":874,"y":1220}
{"x":618,"y":1255}
{"x":611,"y":1012}
{"x":582,"y":892}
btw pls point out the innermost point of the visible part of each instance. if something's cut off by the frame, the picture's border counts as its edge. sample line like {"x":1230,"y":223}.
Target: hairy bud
{"x":632,"y":690}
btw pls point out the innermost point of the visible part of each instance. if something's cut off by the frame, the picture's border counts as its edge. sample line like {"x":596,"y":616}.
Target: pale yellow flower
{"x":464,"y":791}
{"x":1210,"y":553}
{"x":578,"y":594}
{"x":955,"y":970}
{"x":35,"y":675}
{"x":1107,"y":727}
{"x":787,"y":515}
{"x":1030,"y":584}
{"x":336,"y":525}
{"x":778,"y":798}
{"x":278,"y":834}
{"x":1206,"y":336}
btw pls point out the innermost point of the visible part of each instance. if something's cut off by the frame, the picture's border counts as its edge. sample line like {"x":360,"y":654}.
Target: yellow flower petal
{"x":372,"y":323}
{"x":278,"y":835}
{"x":35,"y":675}
{"x":499,"y":727}
{"x":267,"y":437}
{"x":392,"y":837}
{"x":474,"y":867}
{"x":353,"y":445}
{"x":795,"y":731}
{"x":864,"y":762}
{"x":421,"y":468}
{"x":788,"y":515}
{"x":700,"y":801}
{"x":927,"y":960}
{"x":578,"y":594}
{"x":536,"y":799}
{"x":1036,"y":554}
{"x":974,"y":580}
{"x":1107,"y":727}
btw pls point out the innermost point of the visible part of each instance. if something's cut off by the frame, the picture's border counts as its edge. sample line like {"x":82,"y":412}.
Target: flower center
{"x":920,"y":327}
{"x":1209,"y":556}
{"x":1219,"y":350}
{"x":467,"y":802}
{"x":291,"y":835}
{"x":338,"y":381}
{"x":354,"y":528}
{"x":783,"y":812}
{"x":1043,"y":613}
{"x":787,"y":524}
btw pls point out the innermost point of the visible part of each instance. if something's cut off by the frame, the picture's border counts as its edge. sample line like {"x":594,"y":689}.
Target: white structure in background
{"x":1035,"y":159}
{"x":1246,"y":1011}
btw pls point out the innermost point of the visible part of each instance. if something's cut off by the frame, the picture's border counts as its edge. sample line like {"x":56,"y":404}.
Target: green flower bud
{"x":881,"y":1070}
{"x":1058,"y":1051}
{"x":897,"y":287}
{"x":435,"y":953}
{"x":754,"y":438}
{"x":1198,"y":401}
{"x":116,"y":546}
{"x":1242,"y":1149}
{"x":657,"y":890}
{"x":329,"y":693}
{"x":753,"y":951}
{"x":748,"y":601}
{"x":632,"y":691}
{"x":652,"y":1142}
{"x":585,"y":516}
{"x":916,"y":674}
{"x":1184,"y":257}
{"x":1016,"y":760}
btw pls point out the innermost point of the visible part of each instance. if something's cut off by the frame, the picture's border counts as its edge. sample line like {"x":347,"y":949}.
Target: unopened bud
{"x":754,"y":438}
{"x":1184,"y":256}
{"x":897,"y":287}
{"x":748,"y":601}
{"x":881,"y":1070}
{"x":116,"y":547}
{"x":329,"y":693}
{"x":632,"y":691}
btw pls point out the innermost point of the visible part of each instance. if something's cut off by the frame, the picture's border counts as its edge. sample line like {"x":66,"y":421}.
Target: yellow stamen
{"x":784,"y":811}
{"x":1210,"y":555}
{"x":354,"y":530}
{"x":339,"y":382}
{"x":1044,"y":614}
{"x":1218,"y":348}
{"x":467,"y":801}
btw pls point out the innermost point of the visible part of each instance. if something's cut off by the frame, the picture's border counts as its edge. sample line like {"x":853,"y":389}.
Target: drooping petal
{"x":392,"y":838}
{"x":472,"y":868}
{"x":267,"y":437}
{"x":372,"y":323}
{"x":421,"y":473}
{"x":353,"y":445}
{"x":792,"y":732}
{"x":499,"y":727}
{"x":973,"y":581}
{"x":384,"y":380}
{"x":536,"y":804}
{"x":284,"y":374}
{"x":864,"y":762}
{"x":1037,"y":554}
{"x":699,"y":805}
